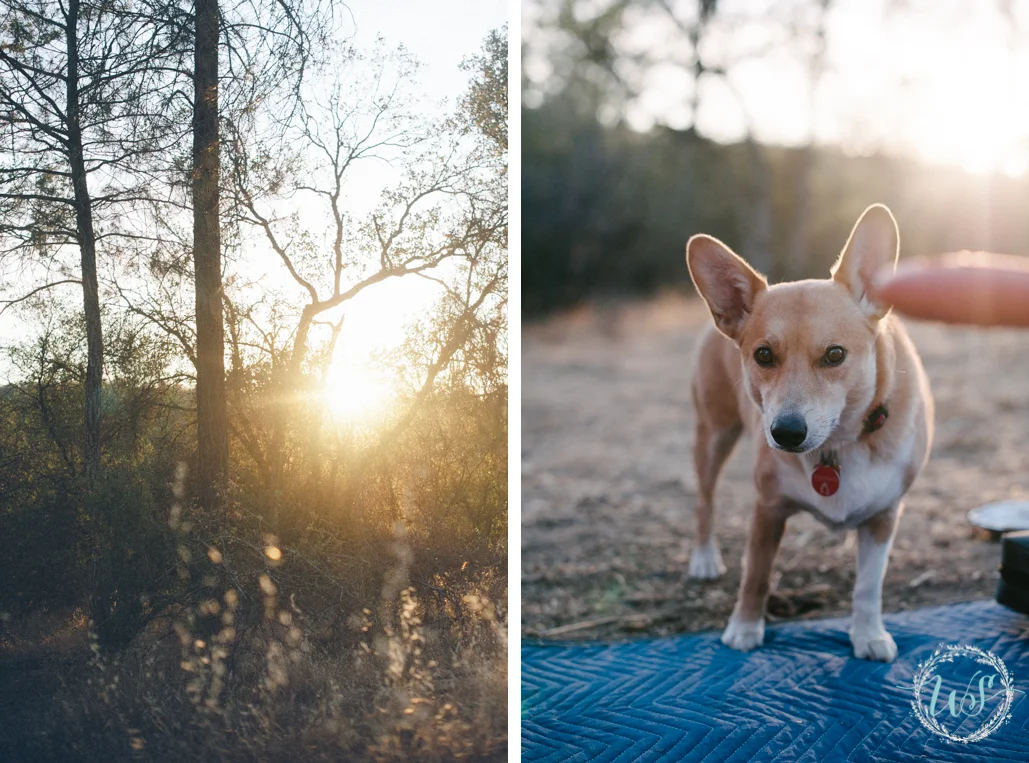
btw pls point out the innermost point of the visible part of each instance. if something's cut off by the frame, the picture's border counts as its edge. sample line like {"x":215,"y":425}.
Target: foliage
{"x":485,"y":105}
{"x":270,"y":654}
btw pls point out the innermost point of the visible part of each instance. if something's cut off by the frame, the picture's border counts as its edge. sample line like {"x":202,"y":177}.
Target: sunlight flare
{"x":354,"y":392}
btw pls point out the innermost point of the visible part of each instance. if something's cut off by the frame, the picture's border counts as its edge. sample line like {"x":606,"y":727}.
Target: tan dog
{"x":831,"y":387}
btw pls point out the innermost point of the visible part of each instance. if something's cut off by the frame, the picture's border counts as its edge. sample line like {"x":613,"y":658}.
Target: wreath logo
{"x":963,"y":693}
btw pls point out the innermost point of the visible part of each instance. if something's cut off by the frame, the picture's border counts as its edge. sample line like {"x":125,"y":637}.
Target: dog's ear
{"x":727,"y":283}
{"x":872,"y":247}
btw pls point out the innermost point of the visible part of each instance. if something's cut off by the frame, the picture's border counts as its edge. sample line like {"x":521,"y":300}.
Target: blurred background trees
{"x":769,"y":125}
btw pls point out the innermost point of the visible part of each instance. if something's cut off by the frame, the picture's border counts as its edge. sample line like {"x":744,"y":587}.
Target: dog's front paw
{"x":744,"y":636}
{"x":874,"y":645}
{"x":706,"y":561}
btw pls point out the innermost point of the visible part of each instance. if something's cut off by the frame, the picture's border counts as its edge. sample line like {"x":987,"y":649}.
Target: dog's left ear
{"x":873,"y":246}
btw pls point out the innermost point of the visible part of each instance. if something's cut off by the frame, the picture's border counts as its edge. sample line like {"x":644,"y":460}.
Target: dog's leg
{"x":712,"y":447}
{"x":746,"y":628}
{"x":867,"y":634}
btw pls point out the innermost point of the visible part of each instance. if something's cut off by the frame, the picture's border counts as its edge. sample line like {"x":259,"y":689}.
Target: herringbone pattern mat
{"x":801,"y":697}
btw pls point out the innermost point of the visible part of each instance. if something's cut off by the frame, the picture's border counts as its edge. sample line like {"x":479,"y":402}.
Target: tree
{"x":797,"y":246}
{"x":212,"y":424}
{"x":714,"y":44}
{"x":269,"y":46}
{"x":76,"y":106}
{"x":442,"y":208}
{"x":485,"y":103}
{"x":231,"y":65}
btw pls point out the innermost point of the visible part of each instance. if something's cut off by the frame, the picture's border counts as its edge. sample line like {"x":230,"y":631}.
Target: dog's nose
{"x":789,"y":430}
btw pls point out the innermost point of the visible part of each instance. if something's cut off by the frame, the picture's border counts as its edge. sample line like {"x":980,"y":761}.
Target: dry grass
{"x":404,"y":678}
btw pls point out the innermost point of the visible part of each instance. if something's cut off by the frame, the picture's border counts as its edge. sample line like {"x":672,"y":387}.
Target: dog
{"x":828,"y":382}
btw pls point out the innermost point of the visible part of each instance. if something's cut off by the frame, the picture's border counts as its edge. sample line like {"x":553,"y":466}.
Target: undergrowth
{"x":267,"y":652}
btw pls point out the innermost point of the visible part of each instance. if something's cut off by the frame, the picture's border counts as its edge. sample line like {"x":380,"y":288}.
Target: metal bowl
{"x":1001,"y":516}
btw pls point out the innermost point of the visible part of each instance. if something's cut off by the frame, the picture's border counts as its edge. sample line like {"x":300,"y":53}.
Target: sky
{"x":943,"y":80}
{"x":440,"y":33}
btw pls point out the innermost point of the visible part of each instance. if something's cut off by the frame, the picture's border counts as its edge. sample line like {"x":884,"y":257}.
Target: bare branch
{"x":11,"y":302}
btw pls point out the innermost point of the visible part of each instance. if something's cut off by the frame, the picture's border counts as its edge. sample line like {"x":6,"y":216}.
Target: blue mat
{"x":801,"y":697}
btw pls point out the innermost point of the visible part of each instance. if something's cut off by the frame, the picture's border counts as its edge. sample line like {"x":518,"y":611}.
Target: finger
{"x":984,"y":290}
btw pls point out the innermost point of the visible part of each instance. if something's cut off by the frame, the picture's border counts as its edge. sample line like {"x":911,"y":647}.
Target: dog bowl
{"x":1001,"y":516}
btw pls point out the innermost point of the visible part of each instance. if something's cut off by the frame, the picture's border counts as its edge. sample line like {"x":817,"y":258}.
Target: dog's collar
{"x":825,"y":479}
{"x":876,"y":418}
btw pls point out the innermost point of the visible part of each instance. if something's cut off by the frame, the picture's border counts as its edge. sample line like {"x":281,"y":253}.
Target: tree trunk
{"x":797,"y":265}
{"x":797,"y":248}
{"x":87,"y":249}
{"x":285,"y":404}
{"x":757,"y":223}
{"x":212,"y":425}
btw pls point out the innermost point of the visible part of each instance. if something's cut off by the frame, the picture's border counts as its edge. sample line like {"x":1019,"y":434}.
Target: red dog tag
{"x":826,"y":479}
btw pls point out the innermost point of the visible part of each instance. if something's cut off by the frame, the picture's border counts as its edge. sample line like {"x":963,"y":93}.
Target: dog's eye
{"x":835,"y":355}
{"x":764,"y":356}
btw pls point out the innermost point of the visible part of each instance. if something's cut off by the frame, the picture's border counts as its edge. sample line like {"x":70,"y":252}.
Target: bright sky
{"x":440,"y":33}
{"x":944,"y":80}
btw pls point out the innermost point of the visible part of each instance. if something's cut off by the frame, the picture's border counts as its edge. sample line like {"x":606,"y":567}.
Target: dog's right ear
{"x":727,"y":283}
{"x":873,"y":247}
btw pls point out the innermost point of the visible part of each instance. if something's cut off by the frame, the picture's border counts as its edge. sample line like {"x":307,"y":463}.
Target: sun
{"x":355,"y":393}
{"x":359,"y":391}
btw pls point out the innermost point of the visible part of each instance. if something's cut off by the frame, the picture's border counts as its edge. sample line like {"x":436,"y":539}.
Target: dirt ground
{"x":608,"y":486}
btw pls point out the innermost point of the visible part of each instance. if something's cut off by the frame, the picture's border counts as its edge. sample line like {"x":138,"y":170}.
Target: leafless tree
{"x":444,"y":207}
